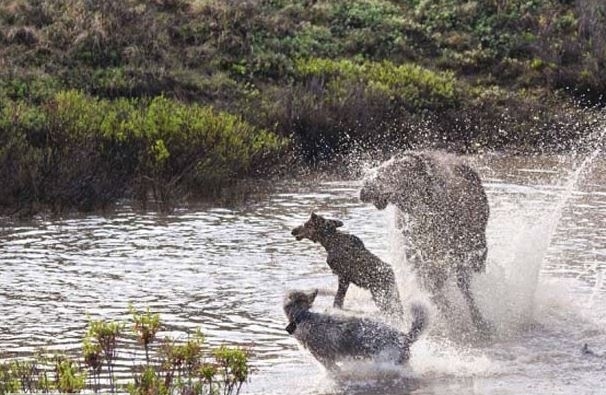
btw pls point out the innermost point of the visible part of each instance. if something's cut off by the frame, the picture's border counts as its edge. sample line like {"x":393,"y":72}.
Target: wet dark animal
{"x":353,"y":263}
{"x":332,"y":338}
{"x":443,"y":212}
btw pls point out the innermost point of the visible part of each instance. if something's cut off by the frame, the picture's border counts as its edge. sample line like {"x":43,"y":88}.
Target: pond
{"x":226,"y":270}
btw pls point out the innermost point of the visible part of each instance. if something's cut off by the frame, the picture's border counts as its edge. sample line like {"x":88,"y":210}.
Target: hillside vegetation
{"x":171,"y":98}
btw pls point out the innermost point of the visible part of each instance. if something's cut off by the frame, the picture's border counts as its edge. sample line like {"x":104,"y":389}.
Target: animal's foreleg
{"x":433,"y":280}
{"x":464,"y":284}
{"x":404,"y":356}
{"x":331,"y":366}
{"x":341,"y":291}
{"x":440,"y":301}
{"x":326,"y":361}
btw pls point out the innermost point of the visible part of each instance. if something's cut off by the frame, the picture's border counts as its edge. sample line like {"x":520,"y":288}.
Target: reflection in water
{"x":227,"y":271}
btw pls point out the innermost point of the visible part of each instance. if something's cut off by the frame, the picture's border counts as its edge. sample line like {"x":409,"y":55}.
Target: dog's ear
{"x":312,"y":295}
{"x":336,"y":223}
{"x":317,"y":219}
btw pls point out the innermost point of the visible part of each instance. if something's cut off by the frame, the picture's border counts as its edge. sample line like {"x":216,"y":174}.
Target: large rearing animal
{"x":443,"y":212}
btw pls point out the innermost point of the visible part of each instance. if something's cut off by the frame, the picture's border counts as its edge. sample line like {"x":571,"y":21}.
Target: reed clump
{"x":170,"y":366}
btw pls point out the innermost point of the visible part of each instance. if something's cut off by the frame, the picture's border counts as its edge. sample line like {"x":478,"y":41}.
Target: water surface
{"x":226,"y":271}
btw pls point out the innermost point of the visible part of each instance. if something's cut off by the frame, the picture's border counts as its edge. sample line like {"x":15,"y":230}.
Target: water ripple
{"x":226,"y":270}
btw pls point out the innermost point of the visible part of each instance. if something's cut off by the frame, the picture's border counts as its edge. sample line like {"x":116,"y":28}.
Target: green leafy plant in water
{"x":181,"y":368}
{"x":42,"y":374}
{"x":183,"y":358}
{"x":146,"y":326}
{"x":9,"y":383}
{"x":106,"y":335}
{"x":21,"y":375}
{"x":208,"y":373}
{"x":93,"y":358}
{"x":233,"y":365}
{"x":147,"y":383}
{"x":69,"y":377}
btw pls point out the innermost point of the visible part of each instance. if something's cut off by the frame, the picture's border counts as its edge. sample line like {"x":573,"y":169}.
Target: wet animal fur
{"x":443,"y":211}
{"x":332,"y":338}
{"x":353,"y":263}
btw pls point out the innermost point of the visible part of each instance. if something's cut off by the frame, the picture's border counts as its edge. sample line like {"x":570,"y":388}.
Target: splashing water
{"x":513,"y":273}
{"x":512,"y":293}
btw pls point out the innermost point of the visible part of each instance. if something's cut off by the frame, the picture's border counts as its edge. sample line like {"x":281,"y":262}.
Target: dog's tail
{"x":419,"y":321}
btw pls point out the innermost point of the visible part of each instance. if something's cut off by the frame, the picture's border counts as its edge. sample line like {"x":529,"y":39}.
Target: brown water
{"x":226,"y":270}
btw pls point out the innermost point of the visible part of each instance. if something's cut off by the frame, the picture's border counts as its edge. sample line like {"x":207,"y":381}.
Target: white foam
{"x":444,"y":358}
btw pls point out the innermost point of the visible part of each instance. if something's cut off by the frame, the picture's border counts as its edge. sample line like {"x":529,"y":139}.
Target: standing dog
{"x":353,"y":263}
{"x":444,"y":211}
{"x":332,"y":338}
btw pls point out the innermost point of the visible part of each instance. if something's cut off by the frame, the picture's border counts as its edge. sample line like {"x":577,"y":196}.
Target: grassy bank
{"x":163,"y":366}
{"x":120,"y":98}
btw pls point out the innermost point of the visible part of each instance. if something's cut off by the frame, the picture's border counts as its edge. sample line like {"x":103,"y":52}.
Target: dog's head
{"x":299,"y":300}
{"x":394,"y":180}
{"x":315,"y":227}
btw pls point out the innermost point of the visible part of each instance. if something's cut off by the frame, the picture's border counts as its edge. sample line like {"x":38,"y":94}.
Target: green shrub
{"x":21,"y":159}
{"x":193,"y":147}
{"x":33,"y":87}
{"x":338,"y":106}
{"x":9,"y":381}
{"x":148,"y":382}
{"x":69,"y":377}
{"x":409,"y":85}
{"x":233,"y":363}
{"x":42,"y":374}
{"x":77,"y":150}
{"x":146,"y":326}
{"x":375,"y":29}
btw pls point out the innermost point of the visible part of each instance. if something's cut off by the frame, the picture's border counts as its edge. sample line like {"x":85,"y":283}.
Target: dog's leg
{"x":341,"y":291}
{"x":433,"y":279}
{"x":464,"y":283}
{"x":441,"y":301}
{"x":328,"y":363}
{"x":331,"y":366}
{"x":404,"y":356}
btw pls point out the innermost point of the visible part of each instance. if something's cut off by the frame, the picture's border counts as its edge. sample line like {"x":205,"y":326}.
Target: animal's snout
{"x":370,"y":194}
{"x":365,"y":194}
{"x":297,"y":232}
{"x":380,"y":203}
